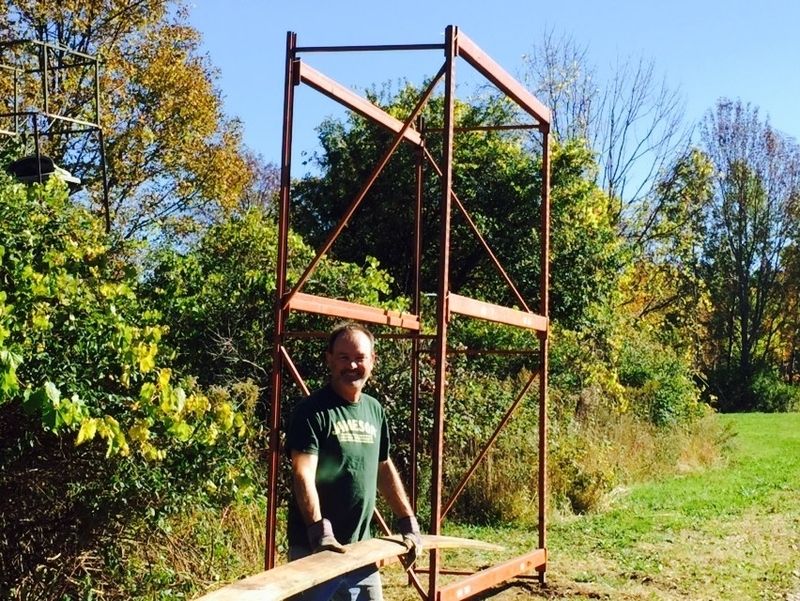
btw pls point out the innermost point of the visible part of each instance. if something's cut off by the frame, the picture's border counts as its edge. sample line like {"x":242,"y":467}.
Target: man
{"x":338,"y":441}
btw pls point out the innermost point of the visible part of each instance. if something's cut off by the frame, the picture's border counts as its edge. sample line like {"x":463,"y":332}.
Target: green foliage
{"x":496,"y":178}
{"x":583,"y":377}
{"x":662,"y":283}
{"x":77,"y":350}
{"x":581,"y":474}
{"x":194,"y":552}
{"x":624,"y":371}
{"x":773,"y":394}
{"x":97,"y":426}
{"x":218,"y":297}
{"x":504,"y":484}
{"x":586,"y":250}
{"x":657,"y":382}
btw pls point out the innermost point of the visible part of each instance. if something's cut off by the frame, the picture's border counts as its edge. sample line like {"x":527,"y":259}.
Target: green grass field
{"x":731,"y":532}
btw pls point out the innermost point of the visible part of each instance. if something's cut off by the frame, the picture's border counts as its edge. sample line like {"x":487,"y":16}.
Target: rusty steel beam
{"x":310,"y":303}
{"x":480,"y":581}
{"x":276,"y":380}
{"x":376,"y":171}
{"x":482,"y":310}
{"x":298,"y":379}
{"x":544,"y":365}
{"x":362,"y":106}
{"x":416,"y":305}
{"x":490,"y":351}
{"x":369,"y":48}
{"x":442,"y":309}
{"x":470,"y":52}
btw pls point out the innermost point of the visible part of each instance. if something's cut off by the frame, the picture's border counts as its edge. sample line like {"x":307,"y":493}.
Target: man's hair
{"x":348,"y":326}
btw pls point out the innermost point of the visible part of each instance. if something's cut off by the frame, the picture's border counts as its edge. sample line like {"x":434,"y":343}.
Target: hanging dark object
{"x":31,"y":169}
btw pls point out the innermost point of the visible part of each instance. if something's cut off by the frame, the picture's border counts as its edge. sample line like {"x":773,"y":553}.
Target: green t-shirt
{"x":350,"y":439}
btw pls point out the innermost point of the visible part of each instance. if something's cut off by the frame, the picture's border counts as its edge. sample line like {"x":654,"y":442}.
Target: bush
{"x":101,"y":439}
{"x":773,"y":395}
{"x":580,"y":470}
{"x":657,"y":382}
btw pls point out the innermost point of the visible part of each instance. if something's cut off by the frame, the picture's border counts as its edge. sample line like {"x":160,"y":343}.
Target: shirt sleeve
{"x":302,"y":435}
{"x":383,"y":451}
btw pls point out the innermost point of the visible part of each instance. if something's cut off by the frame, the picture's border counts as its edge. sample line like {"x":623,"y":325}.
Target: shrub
{"x":774,"y":395}
{"x":101,"y":439}
{"x":657,"y":381}
{"x":579,"y":468}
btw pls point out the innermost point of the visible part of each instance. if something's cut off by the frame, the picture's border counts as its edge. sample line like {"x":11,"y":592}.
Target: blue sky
{"x":704,"y":48}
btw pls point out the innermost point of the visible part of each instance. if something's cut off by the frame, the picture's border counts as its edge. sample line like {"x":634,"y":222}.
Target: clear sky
{"x":706,"y":49}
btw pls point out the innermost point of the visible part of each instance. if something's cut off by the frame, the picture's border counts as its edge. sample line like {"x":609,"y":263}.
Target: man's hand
{"x":321,"y":538}
{"x":412,"y":539}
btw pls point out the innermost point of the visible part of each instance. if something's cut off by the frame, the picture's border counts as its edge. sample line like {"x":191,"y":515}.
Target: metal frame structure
{"x":44,"y":60}
{"x":456,"y":46}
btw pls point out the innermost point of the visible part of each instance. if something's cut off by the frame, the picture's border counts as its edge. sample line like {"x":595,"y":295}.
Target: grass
{"x":728,"y":532}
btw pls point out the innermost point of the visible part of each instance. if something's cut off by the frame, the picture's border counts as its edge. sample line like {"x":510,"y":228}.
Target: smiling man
{"x":338,"y":441}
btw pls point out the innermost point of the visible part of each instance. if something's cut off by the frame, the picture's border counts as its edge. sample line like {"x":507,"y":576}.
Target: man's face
{"x":350,"y":362}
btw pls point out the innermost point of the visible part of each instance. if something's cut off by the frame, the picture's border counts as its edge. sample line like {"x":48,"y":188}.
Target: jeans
{"x":363,"y":584}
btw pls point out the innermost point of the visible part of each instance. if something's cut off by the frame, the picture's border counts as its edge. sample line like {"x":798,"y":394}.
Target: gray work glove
{"x":412,"y":539}
{"x":321,"y":538}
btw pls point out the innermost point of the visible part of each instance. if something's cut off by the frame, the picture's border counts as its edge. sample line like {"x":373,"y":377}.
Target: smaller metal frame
{"x":33,"y":67}
{"x":449,"y":304}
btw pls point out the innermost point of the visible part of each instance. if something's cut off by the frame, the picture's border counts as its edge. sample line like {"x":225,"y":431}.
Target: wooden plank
{"x":300,"y":575}
{"x":310,"y":303}
{"x":497,"y":313}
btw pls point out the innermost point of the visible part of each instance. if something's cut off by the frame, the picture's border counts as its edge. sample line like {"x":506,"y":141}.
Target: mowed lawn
{"x":730,"y":532}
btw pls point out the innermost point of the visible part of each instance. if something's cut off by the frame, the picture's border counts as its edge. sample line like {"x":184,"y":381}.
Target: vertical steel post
{"x":442,"y":308}
{"x":45,"y":75}
{"x":37,"y":149}
{"x":544,"y":342}
{"x":280,"y":290}
{"x":101,"y":141}
{"x":416,"y":302}
{"x":415,"y":309}
{"x":16,"y":99}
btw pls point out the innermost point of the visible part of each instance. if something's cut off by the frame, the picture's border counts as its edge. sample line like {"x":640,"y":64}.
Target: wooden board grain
{"x":297,"y":576}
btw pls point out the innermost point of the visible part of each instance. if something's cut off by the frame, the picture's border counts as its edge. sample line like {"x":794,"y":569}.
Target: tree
{"x":663,"y":286}
{"x":751,"y":222}
{"x":633,"y":121}
{"x":496,"y":177}
{"x":218,"y":298}
{"x":263,"y":188}
{"x":169,"y":148}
